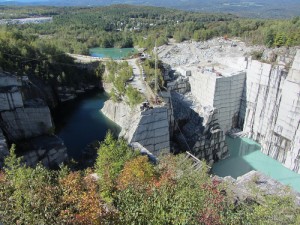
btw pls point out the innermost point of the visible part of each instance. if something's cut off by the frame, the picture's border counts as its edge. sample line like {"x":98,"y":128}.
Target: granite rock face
{"x":243,"y":187}
{"x":49,"y":150}
{"x":10,"y":99}
{"x":27,"y":122}
{"x":207,"y":96}
{"x":198,"y":129}
{"x":180,"y":85}
{"x":25,"y":115}
{"x":22,"y":114}
{"x":219,"y":92}
{"x":152,"y":130}
{"x":121,"y":113}
{"x":273,"y":110}
{"x":9,"y":80}
{"x":150,"y":127}
{"x":215,"y":97}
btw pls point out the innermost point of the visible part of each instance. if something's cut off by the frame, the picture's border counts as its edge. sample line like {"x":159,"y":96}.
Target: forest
{"x":76,"y":29}
{"x":125,"y":187}
{"x":25,"y":55}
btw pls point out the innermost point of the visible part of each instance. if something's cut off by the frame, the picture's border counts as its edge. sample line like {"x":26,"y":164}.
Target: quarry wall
{"x":25,"y":115}
{"x":273,"y":110}
{"x":24,"y":123}
{"x":10,"y":99}
{"x":150,"y":127}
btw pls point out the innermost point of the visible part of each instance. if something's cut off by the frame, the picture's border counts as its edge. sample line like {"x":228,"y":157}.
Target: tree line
{"x":75,"y":30}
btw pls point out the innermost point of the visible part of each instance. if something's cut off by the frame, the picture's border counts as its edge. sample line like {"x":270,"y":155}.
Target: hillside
{"x":254,"y":8}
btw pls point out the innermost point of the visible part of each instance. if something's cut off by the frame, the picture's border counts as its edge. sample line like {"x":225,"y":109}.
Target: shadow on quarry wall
{"x":238,"y":121}
{"x":48,"y":149}
{"x":189,"y":122}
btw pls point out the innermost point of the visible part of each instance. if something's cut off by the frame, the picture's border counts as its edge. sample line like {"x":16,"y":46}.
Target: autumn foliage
{"x":81,"y":201}
{"x":136,"y":173}
{"x":129,"y":189}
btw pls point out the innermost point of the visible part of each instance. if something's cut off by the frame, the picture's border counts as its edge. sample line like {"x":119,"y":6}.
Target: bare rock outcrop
{"x":24,"y":114}
{"x":273,"y":110}
{"x":255,"y":185}
{"x":149,"y":127}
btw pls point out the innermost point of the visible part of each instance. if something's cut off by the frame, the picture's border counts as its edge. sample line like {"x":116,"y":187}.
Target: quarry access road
{"x":137,"y":81}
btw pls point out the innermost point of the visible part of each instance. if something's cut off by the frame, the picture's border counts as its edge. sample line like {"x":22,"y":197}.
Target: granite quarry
{"x":215,"y":88}
{"x":24,"y":116}
{"x":221,"y":82}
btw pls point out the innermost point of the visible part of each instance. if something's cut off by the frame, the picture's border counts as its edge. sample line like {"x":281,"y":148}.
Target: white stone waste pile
{"x":193,"y":53}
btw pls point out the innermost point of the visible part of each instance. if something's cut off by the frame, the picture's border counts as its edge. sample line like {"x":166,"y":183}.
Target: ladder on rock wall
{"x":197,"y":163}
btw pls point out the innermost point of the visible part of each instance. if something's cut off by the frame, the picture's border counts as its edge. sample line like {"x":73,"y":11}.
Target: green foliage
{"x":134,"y":96}
{"x":27,"y":55}
{"x":176,"y":196}
{"x":119,"y":74}
{"x":257,"y":55}
{"x":265,"y":209}
{"x":81,"y":202}
{"x":113,"y":96}
{"x":75,"y":30}
{"x":269,"y":39}
{"x":135,"y":192}
{"x":279,"y":40}
{"x":112,"y":156}
{"x":149,"y":68}
{"x":136,"y":173}
{"x":41,"y":196}
{"x":27,"y":194}
{"x":99,"y":71}
{"x":119,"y":85}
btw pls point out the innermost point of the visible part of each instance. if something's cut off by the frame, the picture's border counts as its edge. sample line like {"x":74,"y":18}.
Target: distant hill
{"x":250,"y":8}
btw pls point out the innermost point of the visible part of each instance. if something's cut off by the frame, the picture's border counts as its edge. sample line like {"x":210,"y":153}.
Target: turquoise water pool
{"x":245,"y":155}
{"x":114,"y":53}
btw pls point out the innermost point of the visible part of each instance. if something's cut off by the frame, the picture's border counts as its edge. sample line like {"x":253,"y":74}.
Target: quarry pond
{"x":114,"y":53}
{"x":79,"y":122}
{"x":245,"y":155}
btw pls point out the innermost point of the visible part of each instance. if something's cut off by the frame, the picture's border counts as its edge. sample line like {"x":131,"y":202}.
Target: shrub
{"x":112,"y":156}
{"x":134,"y":96}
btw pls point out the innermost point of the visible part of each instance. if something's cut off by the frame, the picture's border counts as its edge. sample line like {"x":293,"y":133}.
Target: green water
{"x":80,"y":122}
{"x":245,"y":155}
{"x":114,"y":53}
